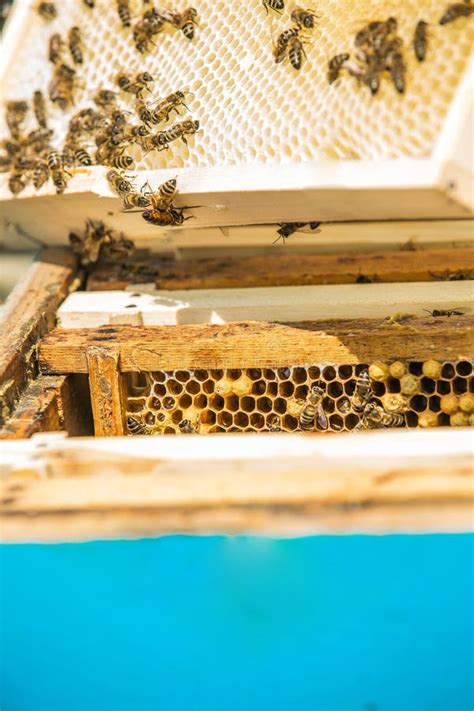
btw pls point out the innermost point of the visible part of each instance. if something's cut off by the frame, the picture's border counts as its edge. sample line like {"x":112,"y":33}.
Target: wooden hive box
{"x":216,"y":330}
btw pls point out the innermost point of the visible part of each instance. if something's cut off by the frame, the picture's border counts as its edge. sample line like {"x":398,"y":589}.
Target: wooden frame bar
{"x":29,"y":312}
{"x":53,"y":488}
{"x":248,"y":344}
{"x":284,"y":269}
{"x":106,"y":390}
{"x":38,"y":410}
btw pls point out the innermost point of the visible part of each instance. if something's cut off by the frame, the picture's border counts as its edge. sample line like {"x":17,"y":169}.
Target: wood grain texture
{"x":38,"y":410}
{"x":29,"y":313}
{"x":248,"y":344}
{"x":106,"y":391}
{"x":377,"y":482}
{"x":282,"y":269}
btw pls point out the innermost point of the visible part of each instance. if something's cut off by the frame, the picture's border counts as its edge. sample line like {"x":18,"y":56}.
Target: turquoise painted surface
{"x":348,"y":623}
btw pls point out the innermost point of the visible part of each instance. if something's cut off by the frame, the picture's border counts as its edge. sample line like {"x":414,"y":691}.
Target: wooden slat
{"x":38,"y":409}
{"x":29,"y":312}
{"x":106,"y":390}
{"x":143,"y":305}
{"x":244,"y":345}
{"x":54,"y":489}
{"x":284,"y":269}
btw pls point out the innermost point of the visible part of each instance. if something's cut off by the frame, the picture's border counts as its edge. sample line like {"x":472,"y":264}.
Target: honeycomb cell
{"x":411,"y":419}
{"x":344,"y":372}
{"x":459,"y":419}
{"x":431,"y":369}
{"x":290,"y":423}
{"x":351,"y":421}
{"x":397,"y":369}
{"x":269,"y":374}
{"x":247,"y":404}
{"x":419,"y":403}
{"x":314,"y":373}
{"x":200,"y":401}
{"x":301,"y":392}
{"x":224,"y":386}
{"x":182,"y":375}
{"x":428,"y":419}
{"x":464,"y":368}
{"x":428,"y":385}
{"x":409,"y":384}
{"x":169,"y":430}
{"x":379,"y":371}
{"x":329,"y":373}
{"x":185,"y":401}
{"x":466,"y":403}
{"x":286,"y":389}
{"x":272,"y":389}
{"x":344,"y":405}
{"x":158,"y":376}
{"x":136,"y":405}
{"x":232,"y":403}
{"x":174,"y":387}
{"x":159,"y":389}
{"x":460,"y":386}
{"x":283,"y":373}
{"x":264,"y":404}
{"x":415,"y":368}
{"x":241,"y":420}
{"x":379,"y":388}
{"x":254,"y":373}
{"x":208,"y":387}
{"x":208,"y":417}
{"x":447,"y":371}
{"x":349,"y":387}
{"x":169,"y":403}
{"x":233,"y":374}
{"x":224,"y":419}
{"x":328,"y":405}
{"x":443,"y":387}
{"x":259,"y":388}
{"x":192,"y":387}
{"x":216,"y":402}
{"x":449,"y":404}
{"x":177,"y":416}
{"x":242,"y":386}
{"x":155,"y":403}
{"x":299,"y":375}
{"x":257,"y":420}
{"x":336,"y":423}
{"x":335,"y":389}
{"x":215,"y":429}
{"x":216,"y":374}
{"x":201,"y":375}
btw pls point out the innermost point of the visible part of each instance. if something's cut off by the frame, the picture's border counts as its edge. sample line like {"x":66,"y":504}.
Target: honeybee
{"x":120,"y":183}
{"x":420,"y":42}
{"x":188,"y":427}
{"x":188,"y":22}
{"x":375,"y":416}
{"x":54,"y":160}
{"x":40,"y":174}
{"x":289,"y":228}
{"x":283,"y":40}
{"x":439,"y":313}
{"x":172,"y":17}
{"x":137,"y":200}
{"x":362,"y":392}
{"x":105,"y":98}
{"x":296,"y":53}
{"x":75,"y":45}
{"x":5,"y":163}
{"x":82,"y":157}
{"x":47,"y":10}
{"x":144,"y":113}
{"x":123,"y":11}
{"x":370,"y":77}
{"x":170,"y":217}
{"x":161,"y":140}
{"x":38,"y":140}
{"x":135,"y":427}
{"x":276,"y":5}
{"x":455,"y":11}
{"x":167,"y":191}
{"x":274,"y":424}
{"x":122,"y":162}
{"x":117,"y":250}
{"x":126,"y":84}
{"x":55,"y":48}
{"x":59,"y":179}
{"x":376,"y":33}
{"x":89,"y":3}
{"x":335,"y":65}
{"x":312,"y":415}
{"x":15,"y":115}
{"x":397,"y":68}
{"x":39,"y":108}
{"x":164,"y":107}
{"x":16,"y":183}
{"x":303,"y":18}
{"x":61,"y":87}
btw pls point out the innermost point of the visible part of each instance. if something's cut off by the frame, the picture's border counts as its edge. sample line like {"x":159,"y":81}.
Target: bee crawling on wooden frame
{"x":286,"y":229}
{"x":440,"y":313}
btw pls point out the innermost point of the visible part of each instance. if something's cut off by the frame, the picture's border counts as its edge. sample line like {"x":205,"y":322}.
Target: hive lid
{"x":274,"y":144}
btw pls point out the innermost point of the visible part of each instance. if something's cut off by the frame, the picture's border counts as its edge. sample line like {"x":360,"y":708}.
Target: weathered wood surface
{"x":106,"y":391}
{"x":244,"y":345}
{"x":284,"y":269}
{"x":29,"y":313}
{"x":55,"y":489}
{"x":38,"y":410}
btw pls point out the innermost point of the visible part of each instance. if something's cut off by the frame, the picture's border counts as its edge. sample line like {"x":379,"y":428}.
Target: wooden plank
{"x":54,"y":489}
{"x":146,"y":306}
{"x":325,"y":191}
{"x":105,"y":391}
{"x":282,"y":269}
{"x":29,"y":312}
{"x":38,"y":409}
{"x":244,"y":345}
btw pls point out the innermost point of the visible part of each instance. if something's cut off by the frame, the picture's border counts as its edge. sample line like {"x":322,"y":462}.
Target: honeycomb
{"x":250,"y":109}
{"x":271,"y":399}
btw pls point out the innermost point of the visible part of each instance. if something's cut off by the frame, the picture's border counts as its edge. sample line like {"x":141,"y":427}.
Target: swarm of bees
{"x":98,"y":241}
{"x":290,"y":43}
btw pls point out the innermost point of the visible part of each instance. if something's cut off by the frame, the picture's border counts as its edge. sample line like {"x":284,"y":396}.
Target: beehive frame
{"x":433,"y":183}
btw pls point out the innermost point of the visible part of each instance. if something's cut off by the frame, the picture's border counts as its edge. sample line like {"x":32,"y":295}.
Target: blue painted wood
{"x":230,"y":624}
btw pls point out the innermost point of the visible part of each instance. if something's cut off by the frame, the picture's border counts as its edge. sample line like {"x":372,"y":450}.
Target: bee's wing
{"x":309,"y":230}
{"x":321,"y":419}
